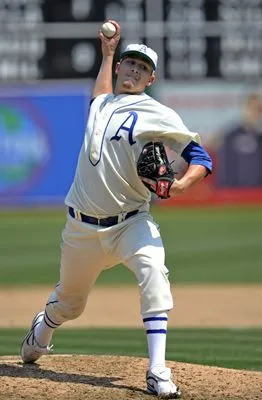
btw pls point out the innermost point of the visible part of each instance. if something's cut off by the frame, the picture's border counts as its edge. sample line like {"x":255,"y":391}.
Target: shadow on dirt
{"x":20,"y":370}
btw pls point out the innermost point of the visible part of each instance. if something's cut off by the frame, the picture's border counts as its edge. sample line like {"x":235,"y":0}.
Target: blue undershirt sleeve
{"x":193,"y":153}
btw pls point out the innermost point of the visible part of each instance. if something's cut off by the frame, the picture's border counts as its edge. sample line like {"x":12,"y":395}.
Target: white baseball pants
{"x":87,"y":249}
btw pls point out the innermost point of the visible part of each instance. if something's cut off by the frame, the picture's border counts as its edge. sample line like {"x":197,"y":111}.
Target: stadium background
{"x":210,"y":61}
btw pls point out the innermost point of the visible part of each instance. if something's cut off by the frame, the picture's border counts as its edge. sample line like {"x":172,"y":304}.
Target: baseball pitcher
{"x":121,"y":162}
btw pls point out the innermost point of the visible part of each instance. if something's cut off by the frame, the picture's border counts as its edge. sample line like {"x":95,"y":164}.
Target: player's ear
{"x":151,"y":80}
{"x":117,"y":67}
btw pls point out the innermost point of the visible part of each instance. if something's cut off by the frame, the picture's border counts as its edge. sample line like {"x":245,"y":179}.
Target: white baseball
{"x":108,"y":29}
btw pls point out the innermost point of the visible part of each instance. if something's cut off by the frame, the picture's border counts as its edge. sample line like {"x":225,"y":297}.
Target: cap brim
{"x":140,"y":55}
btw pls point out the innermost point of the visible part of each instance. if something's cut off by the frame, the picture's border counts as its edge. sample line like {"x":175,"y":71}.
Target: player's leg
{"x":68,"y":300}
{"x":142,"y":251}
{"x":82,"y":259}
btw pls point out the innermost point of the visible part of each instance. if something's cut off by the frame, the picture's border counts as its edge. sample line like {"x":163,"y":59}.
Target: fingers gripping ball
{"x":108,"y":29}
{"x":155,"y":170}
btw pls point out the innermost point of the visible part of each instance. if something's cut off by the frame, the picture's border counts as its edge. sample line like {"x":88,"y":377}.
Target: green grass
{"x":202,"y":245}
{"x":229,"y":348}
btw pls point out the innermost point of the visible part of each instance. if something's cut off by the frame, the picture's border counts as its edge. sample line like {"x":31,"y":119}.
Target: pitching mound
{"x":118,"y":378}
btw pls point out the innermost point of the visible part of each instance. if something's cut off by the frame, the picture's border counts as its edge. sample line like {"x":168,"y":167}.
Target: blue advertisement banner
{"x":41,"y":132}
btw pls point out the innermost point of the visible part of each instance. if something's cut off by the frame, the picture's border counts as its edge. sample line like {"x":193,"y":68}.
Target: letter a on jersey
{"x":128,"y":125}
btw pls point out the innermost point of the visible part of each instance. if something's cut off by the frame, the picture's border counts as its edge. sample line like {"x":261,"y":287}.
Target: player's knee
{"x":154,"y":275}
{"x":65,"y":309}
{"x":72,"y":309}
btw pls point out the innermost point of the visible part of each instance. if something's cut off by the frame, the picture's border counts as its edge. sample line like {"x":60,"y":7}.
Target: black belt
{"x":109,"y":221}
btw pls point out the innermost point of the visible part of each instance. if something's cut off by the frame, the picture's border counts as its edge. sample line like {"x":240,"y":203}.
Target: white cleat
{"x":30,"y":349}
{"x":159,"y":383}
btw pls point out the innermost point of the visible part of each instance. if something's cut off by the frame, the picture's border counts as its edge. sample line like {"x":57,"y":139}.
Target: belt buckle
{"x":122,"y":217}
{"x":77,"y":215}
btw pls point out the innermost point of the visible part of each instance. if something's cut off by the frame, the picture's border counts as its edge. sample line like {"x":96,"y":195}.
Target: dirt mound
{"x":118,"y":378}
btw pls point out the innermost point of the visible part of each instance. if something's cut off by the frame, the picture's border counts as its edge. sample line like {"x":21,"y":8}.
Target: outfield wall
{"x":42,"y":127}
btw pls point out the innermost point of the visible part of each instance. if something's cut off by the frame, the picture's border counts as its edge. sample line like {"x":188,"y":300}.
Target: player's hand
{"x":109,"y":45}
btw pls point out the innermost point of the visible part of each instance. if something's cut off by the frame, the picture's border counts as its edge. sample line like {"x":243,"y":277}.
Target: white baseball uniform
{"x":106,"y":184}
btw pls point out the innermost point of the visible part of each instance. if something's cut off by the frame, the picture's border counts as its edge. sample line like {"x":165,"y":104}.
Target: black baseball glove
{"x":155,"y":170}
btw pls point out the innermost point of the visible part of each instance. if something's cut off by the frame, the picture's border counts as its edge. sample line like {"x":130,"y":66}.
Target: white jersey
{"x":106,"y":181}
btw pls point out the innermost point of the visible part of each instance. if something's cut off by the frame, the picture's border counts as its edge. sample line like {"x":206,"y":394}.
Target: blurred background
{"x":210,"y":70}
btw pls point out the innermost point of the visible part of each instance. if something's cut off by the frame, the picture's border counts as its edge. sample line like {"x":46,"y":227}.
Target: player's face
{"x":133,"y":75}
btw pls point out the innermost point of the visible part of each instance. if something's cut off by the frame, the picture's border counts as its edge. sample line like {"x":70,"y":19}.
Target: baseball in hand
{"x":108,"y":29}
